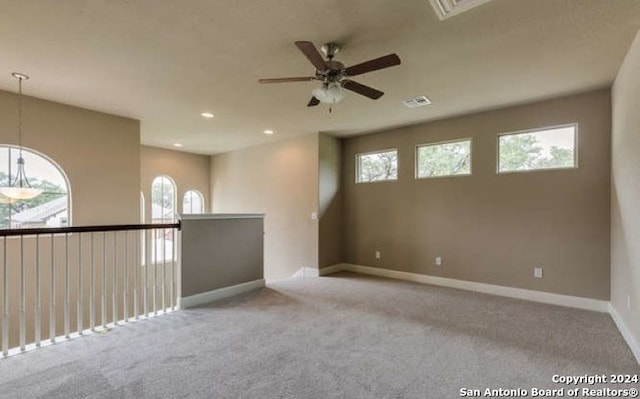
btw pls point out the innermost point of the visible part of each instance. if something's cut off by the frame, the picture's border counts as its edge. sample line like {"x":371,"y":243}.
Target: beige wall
{"x":281,"y":181}
{"x":188,"y":171}
{"x":220,"y":252}
{"x":96,"y":151}
{"x":625,"y":192}
{"x":330,"y":226}
{"x":491,"y":228}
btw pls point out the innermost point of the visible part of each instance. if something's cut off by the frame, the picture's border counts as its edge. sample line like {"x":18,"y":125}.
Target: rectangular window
{"x":452,"y":158}
{"x":377,"y":166}
{"x":548,"y":148}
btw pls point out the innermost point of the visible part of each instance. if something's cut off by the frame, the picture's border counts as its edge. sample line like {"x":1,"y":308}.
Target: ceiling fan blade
{"x":311,"y":52}
{"x":313,"y":102}
{"x":362,"y":89}
{"x":373,"y":65}
{"x":285,"y":80}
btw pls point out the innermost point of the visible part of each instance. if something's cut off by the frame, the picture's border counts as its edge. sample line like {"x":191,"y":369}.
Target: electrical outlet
{"x":314,"y":215}
{"x":628,"y":302}
{"x":378,"y":255}
{"x":537,"y":272}
{"x":438,"y":261}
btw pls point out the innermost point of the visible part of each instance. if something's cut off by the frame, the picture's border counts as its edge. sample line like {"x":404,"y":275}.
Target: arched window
{"x":163,"y":200}
{"x":163,"y":210}
{"x":193,"y":202}
{"x":50,"y":208}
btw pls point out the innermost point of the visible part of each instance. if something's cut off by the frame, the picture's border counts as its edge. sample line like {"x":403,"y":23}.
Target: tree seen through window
{"x":377,"y":166}
{"x":552,"y":148}
{"x":444,"y":159}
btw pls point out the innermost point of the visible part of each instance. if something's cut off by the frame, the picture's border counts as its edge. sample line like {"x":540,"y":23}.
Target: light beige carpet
{"x":346,"y":336}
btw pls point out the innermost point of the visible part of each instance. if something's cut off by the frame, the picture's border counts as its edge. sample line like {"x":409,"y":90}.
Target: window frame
{"x":458,"y":140}
{"x":175,"y":200}
{"x":153,"y":237}
{"x":357,"y":163}
{"x":576,"y":157}
{"x":142,"y":207}
{"x":143,"y":236}
{"x":200,"y":195}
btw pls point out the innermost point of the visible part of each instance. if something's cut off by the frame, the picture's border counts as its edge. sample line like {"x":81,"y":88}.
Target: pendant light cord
{"x":20,"y":188}
{"x":20,"y":115}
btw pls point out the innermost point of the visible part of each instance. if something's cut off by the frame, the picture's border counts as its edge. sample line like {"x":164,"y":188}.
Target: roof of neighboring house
{"x":42,"y":212}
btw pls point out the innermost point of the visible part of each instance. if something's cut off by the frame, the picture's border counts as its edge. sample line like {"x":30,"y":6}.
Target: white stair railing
{"x":114,"y":274}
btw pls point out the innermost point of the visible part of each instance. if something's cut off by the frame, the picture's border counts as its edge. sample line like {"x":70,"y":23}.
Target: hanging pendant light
{"x":19,"y":188}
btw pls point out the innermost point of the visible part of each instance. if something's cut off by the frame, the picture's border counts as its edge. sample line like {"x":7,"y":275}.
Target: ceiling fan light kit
{"x":329,"y":93}
{"x":334,"y":75}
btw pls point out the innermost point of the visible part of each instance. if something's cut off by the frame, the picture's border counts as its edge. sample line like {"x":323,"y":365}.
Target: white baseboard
{"x":325,"y":271}
{"x":220,"y":293}
{"x":307,"y":272}
{"x":519,"y":293}
{"x":626,"y":332}
{"x":313,"y":272}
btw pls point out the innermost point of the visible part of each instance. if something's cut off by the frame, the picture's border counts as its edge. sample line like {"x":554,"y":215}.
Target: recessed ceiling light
{"x":177,"y":144}
{"x":268,"y":131}
{"x":207,"y":115}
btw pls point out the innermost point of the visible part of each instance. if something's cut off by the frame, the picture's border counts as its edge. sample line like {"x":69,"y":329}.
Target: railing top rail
{"x":86,"y":229}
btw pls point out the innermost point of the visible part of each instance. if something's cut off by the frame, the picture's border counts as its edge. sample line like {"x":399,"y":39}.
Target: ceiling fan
{"x":335,"y":76}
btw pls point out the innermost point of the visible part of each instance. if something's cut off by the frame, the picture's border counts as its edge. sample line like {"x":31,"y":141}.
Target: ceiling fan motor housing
{"x":334,"y":72}
{"x":330,"y":49}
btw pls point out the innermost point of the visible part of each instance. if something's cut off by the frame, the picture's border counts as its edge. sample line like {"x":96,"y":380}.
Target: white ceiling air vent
{"x":417,"y":102}
{"x":449,"y":8}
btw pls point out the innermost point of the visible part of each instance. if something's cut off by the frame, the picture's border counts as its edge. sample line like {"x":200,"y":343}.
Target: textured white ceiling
{"x":165,"y":61}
